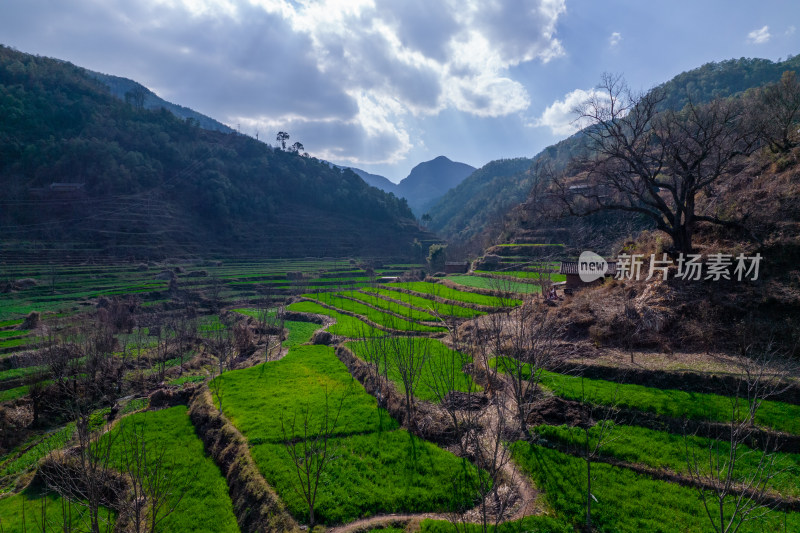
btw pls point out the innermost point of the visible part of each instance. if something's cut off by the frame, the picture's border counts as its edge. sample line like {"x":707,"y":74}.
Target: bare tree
{"x":733,"y":494}
{"x":155,"y":486}
{"x":215,"y":292}
{"x":224,"y":347}
{"x":407,"y":357}
{"x":527,"y":345}
{"x":83,"y":475}
{"x":185,"y":328}
{"x":596,"y":430}
{"x":484,"y":443}
{"x":308,"y":442}
{"x":777,"y":112}
{"x":217,"y":389}
{"x":655,"y":162}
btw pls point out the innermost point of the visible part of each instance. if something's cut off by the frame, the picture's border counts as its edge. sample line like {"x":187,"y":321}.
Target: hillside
{"x":84,"y":172}
{"x":493,"y":194}
{"x":430,"y":180}
{"x":140,"y":96}
{"x":376,"y":180}
{"x":460,"y":214}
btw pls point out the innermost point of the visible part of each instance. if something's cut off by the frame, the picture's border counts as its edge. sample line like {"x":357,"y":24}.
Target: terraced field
{"x":628,"y":491}
{"x":380,"y":468}
{"x":640,"y":474}
{"x":436,"y":290}
{"x":374,"y":315}
{"x":438,"y":355}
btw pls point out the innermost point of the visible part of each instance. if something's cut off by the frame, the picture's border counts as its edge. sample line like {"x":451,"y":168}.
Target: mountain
{"x":474,"y":211}
{"x":429,"y":181}
{"x":138,"y":95}
{"x":376,"y":180}
{"x":425,"y":184}
{"x":87,"y":174}
{"x":460,"y":213}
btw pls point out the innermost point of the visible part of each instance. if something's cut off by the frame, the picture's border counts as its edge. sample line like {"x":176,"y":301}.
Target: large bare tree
{"x":656,"y":162}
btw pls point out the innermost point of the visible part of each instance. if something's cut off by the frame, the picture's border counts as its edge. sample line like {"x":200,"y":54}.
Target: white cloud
{"x":358,"y":70}
{"x":615,"y":38}
{"x":759,"y":36}
{"x":790,"y":30}
{"x":560,"y":116}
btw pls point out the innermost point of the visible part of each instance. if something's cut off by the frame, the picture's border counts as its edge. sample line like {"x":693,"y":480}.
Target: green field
{"x":346,"y":325}
{"x":374,"y":315}
{"x":378,"y":467}
{"x":71,"y":289}
{"x":524,"y":274}
{"x":22,"y":512}
{"x":18,"y":462}
{"x":393,"y":307}
{"x":673,"y":403}
{"x":661,"y":449}
{"x":205,"y":505}
{"x":480,"y":282}
{"x":427,"y":304}
{"x":532,"y":524}
{"x":447,"y":293}
{"x":625,"y":501}
{"x":441,"y":361}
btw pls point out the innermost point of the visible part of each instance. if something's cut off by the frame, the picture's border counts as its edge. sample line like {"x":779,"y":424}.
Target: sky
{"x":383,"y":85}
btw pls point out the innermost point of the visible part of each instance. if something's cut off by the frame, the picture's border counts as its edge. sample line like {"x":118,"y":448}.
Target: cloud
{"x":790,"y":30}
{"x":615,"y":38}
{"x":560,"y":116}
{"x":350,"y":76}
{"x":759,"y":36}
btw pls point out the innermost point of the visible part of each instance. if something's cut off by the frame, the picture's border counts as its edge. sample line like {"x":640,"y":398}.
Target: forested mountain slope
{"x":474,"y":211}
{"x":86,"y":172}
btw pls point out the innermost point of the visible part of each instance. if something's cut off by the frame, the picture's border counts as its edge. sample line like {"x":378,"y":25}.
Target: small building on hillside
{"x":456,"y":267}
{"x":574,"y":281}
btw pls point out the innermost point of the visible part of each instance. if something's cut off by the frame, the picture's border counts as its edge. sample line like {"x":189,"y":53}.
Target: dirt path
{"x":372,"y":522}
{"x":528,"y":498}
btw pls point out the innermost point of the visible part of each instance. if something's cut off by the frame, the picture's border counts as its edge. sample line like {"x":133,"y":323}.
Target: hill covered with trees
{"x":474,"y":212}
{"x":86,"y":172}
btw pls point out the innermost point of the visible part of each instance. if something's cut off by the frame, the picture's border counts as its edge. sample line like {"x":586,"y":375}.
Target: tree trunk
{"x":588,"y":494}
{"x":682,"y":239}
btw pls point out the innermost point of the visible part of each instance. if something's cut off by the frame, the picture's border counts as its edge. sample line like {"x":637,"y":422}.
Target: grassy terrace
{"x":205,"y":505}
{"x":447,"y":293}
{"x":661,"y":449}
{"x":426,"y":303}
{"x":28,"y":454}
{"x":346,"y":325}
{"x":626,"y":501}
{"x":66,"y":288}
{"x":523,"y":274}
{"x":299,"y":332}
{"x":668,"y":402}
{"x":22,"y":512}
{"x":440,"y":356}
{"x":480,"y":282}
{"x":394,"y":307}
{"x":378,"y":467}
{"x":370,"y":313}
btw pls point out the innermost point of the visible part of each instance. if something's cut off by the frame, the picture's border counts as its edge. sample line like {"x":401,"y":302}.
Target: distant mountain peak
{"x":430,"y":180}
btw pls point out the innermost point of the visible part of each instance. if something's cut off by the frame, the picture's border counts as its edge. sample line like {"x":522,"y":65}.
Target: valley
{"x":201,"y":331}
